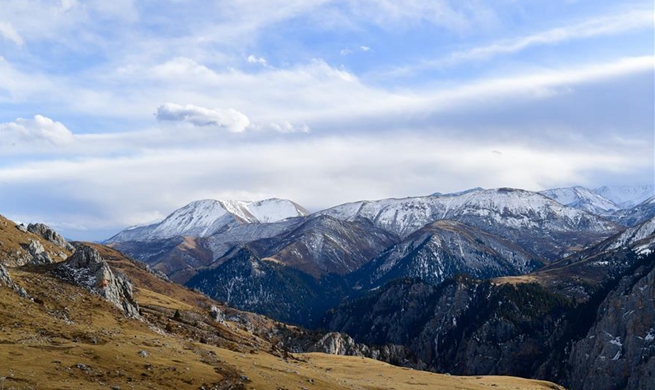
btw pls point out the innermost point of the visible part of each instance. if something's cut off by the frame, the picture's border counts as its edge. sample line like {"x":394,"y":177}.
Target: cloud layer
{"x":155,"y":104}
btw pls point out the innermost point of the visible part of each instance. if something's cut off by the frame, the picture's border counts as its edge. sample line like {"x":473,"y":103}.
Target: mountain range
{"x":294,"y":266}
{"x":549,"y":285}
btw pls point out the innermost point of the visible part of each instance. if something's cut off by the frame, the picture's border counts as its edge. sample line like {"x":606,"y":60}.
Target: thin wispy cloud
{"x":8,"y":32}
{"x":596,"y":27}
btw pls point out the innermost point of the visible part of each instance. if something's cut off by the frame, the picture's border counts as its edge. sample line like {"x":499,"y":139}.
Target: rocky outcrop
{"x":335,"y":343}
{"x":618,"y":352}
{"x":48,"y":234}
{"x":38,"y":253}
{"x":87,"y":269}
{"x":5,"y":279}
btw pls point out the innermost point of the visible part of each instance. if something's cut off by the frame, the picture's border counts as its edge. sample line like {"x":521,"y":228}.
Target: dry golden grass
{"x":522,"y":279}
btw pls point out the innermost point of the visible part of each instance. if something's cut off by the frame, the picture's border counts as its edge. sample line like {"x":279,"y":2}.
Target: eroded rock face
{"x":86,"y":268}
{"x":47,"y":233}
{"x":619,"y":350}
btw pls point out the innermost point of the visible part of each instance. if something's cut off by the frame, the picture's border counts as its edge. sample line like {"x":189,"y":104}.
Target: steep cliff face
{"x":522,"y":326}
{"x":463,"y":327}
{"x":618,"y":352}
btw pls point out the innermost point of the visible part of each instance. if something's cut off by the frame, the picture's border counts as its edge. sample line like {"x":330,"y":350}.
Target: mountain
{"x":626,"y":196}
{"x":539,"y":224}
{"x":182,"y":257}
{"x":637,"y":214}
{"x":443,"y":249}
{"x":248,"y":282}
{"x":582,"y":198}
{"x":324,"y":245}
{"x":204,"y":218}
{"x":584,"y":322}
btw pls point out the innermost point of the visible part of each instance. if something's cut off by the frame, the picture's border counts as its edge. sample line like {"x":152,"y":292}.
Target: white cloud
{"x":252,"y":59}
{"x":38,"y":130}
{"x":230,"y":119}
{"x":286,"y":127}
{"x":8,"y":32}
{"x":347,"y":52}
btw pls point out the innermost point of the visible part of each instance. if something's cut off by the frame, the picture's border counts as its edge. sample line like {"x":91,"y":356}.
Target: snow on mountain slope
{"x":636,"y":214}
{"x":504,"y":207}
{"x":635,"y":234}
{"x":626,"y":196}
{"x":582,"y":198}
{"x":544,"y":226}
{"x":204,"y":218}
{"x":274,"y":210}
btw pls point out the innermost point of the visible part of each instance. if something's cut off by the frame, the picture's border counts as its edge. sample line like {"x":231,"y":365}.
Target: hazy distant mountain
{"x":626,"y":196}
{"x":637,"y":214}
{"x":582,"y":198}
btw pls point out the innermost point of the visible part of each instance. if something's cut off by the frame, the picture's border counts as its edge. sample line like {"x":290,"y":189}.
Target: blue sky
{"x":115,"y":113}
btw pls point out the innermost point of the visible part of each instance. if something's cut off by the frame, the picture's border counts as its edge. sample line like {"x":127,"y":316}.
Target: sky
{"x":115,"y":113}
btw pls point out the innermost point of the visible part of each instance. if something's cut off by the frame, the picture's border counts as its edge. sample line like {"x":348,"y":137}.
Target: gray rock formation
{"x":217,"y":314}
{"x":5,"y":279}
{"x":335,"y":343}
{"x":87,"y":269}
{"x":38,"y":253}
{"x":47,"y":233}
{"x":619,"y":350}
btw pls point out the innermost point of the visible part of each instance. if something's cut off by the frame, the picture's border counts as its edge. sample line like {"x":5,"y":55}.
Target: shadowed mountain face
{"x":442,"y":250}
{"x":584,"y":321}
{"x":325,"y":245}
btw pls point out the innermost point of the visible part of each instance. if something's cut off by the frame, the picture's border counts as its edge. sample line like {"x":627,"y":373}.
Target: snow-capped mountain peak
{"x":511,"y":208}
{"x":202,"y":218}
